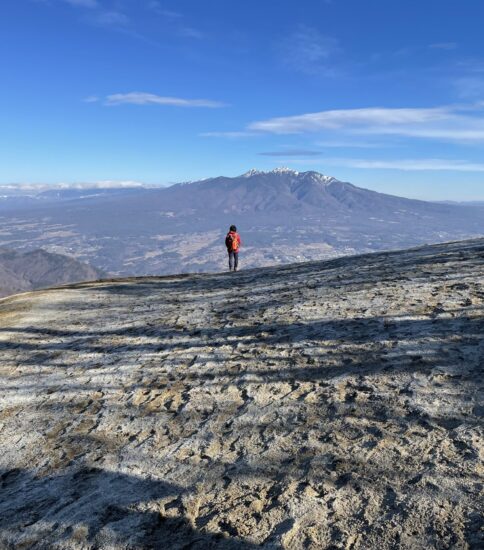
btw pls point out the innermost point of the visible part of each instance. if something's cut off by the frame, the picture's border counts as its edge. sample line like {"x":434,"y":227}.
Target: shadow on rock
{"x":93,"y":508}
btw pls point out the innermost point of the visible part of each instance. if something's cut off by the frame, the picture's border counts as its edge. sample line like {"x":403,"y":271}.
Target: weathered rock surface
{"x":322,"y":405}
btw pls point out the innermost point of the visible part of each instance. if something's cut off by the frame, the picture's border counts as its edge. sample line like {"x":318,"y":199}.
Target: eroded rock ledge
{"x":321,"y":405}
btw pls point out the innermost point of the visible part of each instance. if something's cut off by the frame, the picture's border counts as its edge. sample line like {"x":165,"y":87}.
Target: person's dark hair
{"x":233,"y":228}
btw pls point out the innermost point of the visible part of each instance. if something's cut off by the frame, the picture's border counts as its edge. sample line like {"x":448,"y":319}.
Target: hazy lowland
{"x":319,"y":405}
{"x":283,"y":216}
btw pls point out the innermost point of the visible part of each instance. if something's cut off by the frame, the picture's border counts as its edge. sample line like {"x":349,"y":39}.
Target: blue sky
{"x":387,"y":94}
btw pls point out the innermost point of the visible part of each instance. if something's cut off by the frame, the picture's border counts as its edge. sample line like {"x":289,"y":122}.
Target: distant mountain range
{"x":21,"y":272}
{"x":283,"y":216}
{"x":464,"y":203}
{"x":31,"y":196}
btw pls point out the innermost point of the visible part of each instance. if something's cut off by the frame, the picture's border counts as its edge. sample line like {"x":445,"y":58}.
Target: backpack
{"x":231,"y":242}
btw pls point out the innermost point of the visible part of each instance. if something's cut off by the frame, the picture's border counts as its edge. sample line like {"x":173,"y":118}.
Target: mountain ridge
{"x":26,"y":271}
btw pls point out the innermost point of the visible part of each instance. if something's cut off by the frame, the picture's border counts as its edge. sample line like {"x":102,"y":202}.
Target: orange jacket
{"x":233,"y":241}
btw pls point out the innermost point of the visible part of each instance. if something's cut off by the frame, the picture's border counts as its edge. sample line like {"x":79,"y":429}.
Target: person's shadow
{"x":96,"y":509}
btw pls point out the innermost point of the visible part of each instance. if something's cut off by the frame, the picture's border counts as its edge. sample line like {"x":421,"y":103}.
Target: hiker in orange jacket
{"x":233,"y":243}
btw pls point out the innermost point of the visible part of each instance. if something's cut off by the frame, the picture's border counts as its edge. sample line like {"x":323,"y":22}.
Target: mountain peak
{"x":288,"y":171}
{"x":281,"y":170}
{"x":284,"y":170}
{"x":322,"y":178}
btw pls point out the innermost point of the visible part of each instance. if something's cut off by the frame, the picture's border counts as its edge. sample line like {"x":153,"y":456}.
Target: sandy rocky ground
{"x":321,"y":405}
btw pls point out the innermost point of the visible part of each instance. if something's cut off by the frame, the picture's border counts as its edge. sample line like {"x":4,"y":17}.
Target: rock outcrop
{"x":321,"y":405}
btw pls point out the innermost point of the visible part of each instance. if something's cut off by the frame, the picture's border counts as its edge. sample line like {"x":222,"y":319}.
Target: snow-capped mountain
{"x":286,"y":171}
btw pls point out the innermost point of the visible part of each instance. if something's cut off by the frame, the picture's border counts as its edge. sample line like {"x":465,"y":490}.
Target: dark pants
{"x":233,"y":260}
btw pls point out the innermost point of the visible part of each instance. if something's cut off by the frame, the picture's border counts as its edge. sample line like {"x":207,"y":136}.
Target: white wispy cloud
{"x":453,"y":122}
{"x":419,"y":164}
{"x":444,"y":46}
{"x":351,"y":144}
{"x":142,"y":98}
{"x":469,"y":87}
{"x":291,"y":153}
{"x":308,"y":50}
{"x":158,"y":8}
{"x":229,"y":135}
{"x":190,"y":32}
{"x":471,"y":66}
{"x":76,"y":3}
{"x":111,"y":19}
{"x":103,"y":184}
{"x":176,"y":21}
{"x":109,"y":184}
{"x":342,"y":118}
{"x":98,"y":14}
{"x":429,"y":164}
{"x":83,"y":3}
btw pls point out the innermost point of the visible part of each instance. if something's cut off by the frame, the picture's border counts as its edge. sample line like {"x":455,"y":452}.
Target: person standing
{"x":233,"y":243}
